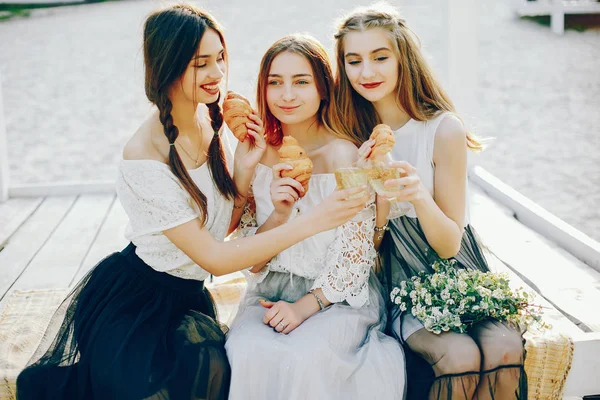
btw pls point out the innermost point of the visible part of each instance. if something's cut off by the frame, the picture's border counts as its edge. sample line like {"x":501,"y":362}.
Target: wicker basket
{"x":547,"y":365}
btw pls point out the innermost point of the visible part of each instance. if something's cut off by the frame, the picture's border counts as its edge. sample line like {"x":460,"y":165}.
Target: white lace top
{"x":339,"y":260}
{"x":155,"y":201}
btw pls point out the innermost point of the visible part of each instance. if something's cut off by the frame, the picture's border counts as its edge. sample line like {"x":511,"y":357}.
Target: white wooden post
{"x":3,"y":152}
{"x":557,"y":17}
{"x":462,"y":54}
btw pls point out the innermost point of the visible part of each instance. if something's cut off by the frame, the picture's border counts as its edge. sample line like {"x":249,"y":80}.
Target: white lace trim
{"x":349,"y":261}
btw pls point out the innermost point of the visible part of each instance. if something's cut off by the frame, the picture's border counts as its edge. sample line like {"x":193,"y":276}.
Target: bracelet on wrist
{"x":380,"y":231}
{"x":316,"y":296}
{"x":383,"y":228}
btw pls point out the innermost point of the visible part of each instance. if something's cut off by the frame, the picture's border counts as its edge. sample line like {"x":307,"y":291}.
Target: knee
{"x":459,"y":358}
{"x":504,"y":350}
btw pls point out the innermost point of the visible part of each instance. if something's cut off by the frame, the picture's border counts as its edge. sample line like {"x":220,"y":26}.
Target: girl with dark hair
{"x":141,"y":324}
{"x":383,"y":78}
{"x":311,"y":323}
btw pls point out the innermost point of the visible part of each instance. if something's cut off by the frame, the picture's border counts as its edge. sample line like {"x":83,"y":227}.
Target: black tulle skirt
{"x":405,"y":253}
{"x":129,"y":332}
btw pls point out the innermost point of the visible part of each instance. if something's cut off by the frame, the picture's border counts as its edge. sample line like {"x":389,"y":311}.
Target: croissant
{"x":291,"y":153}
{"x":384,"y":142}
{"x":236,"y":109}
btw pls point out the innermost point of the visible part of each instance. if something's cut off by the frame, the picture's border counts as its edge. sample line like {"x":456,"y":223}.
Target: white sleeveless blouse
{"x":414,"y":144}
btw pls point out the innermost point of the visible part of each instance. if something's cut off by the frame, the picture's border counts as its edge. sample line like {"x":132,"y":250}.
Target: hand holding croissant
{"x":292,"y":154}
{"x":236,"y":109}
{"x":384,"y":142}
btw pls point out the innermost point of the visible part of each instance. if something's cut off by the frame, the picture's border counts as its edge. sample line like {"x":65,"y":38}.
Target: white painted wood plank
{"x":13,"y":213}
{"x":29,"y":238}
{"x":110,"y":239}
{"x":61,"y":189}
{"x":58,"y":261}
{"x":561,"y":278}
{"x":537,"y":218}
{"x":585,"y":368}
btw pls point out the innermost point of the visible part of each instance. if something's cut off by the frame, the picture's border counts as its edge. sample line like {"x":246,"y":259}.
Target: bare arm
{"x":220,"y":258}
{"x":442,"y":217}
{"x":247,"y":155}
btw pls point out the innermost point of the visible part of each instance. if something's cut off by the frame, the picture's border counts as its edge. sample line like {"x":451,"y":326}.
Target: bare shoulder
{"x":451,"y":132}
{"x":341,"y":153}
{"x":146,"y":144}
{"x":450,"y":145}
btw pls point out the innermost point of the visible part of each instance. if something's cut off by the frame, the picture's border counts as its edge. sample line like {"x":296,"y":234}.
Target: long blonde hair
{"x":309,"y":48}
{"x":417,"y":92}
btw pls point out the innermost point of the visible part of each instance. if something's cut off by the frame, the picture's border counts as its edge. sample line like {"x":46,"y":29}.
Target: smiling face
{"x":200,"y":81}
{"x":371,"y":64}
{"x":292,"y":95}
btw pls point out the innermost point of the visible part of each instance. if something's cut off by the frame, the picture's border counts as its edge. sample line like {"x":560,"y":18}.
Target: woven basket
{"x":22,"y":324}
{"x":27,"y":314}
{"x":547,"y":365}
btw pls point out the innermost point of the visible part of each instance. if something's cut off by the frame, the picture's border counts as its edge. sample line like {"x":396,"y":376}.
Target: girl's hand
{"x":406,"y":188}
{"x":284,"y":191}
{"x":363,"y":152}
{"x":249,"y":152}
{"x":282,"y":316}
{"x":383,"y":206}
{"x":337,"y":209}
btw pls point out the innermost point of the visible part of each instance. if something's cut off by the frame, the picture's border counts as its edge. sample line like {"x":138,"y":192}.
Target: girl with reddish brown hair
{"x":383,"y":78}
{"x":311,"y":323}
{"x":141,"y":324}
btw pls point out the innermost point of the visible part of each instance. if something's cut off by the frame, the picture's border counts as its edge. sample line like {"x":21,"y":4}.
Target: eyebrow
{"x":205,"y":55}
{"x":293,"y":76}
{"x":373,"y":52}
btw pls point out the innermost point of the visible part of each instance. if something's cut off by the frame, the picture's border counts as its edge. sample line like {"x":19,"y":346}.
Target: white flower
{"x":398,"y":300}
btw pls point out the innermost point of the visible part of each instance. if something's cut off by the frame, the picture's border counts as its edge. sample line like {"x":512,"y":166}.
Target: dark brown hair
{"x":417,"y":91}
{"x":309,"y":48}
{"x":171,"y":38}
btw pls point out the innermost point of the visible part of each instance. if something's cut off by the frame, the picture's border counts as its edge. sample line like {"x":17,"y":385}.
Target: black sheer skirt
{"x":486,"y":362}
{"x":129,"y":332}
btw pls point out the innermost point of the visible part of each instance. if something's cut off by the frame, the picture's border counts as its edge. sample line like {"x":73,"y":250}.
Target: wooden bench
{"x":49,"y":243}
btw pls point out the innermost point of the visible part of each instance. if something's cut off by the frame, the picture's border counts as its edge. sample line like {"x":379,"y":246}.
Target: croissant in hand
{"x":384,"y":142}
{"x":236,"y":109}
{"x":291,"y":153}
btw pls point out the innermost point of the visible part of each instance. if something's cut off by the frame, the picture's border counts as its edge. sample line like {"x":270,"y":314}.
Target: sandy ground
{"x":72,"y":82}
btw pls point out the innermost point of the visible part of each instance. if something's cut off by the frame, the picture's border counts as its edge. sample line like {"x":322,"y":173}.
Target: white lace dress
{"x":338,"y":353}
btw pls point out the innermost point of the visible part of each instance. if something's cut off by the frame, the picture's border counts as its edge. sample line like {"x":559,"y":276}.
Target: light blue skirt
{"x":338,"y":353}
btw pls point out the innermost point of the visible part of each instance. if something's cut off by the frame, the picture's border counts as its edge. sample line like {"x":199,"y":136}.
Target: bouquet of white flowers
{"x":454,"y":299}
